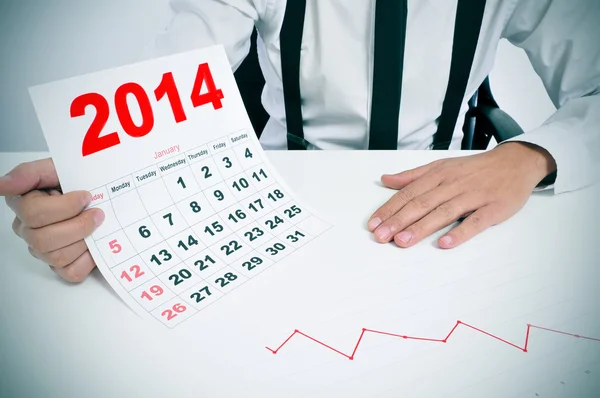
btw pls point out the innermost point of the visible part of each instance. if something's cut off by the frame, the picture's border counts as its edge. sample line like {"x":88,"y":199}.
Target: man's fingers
{"x":17,"y":227}
{"x":62,"y":234}
{"x":400,"y":180}
{"x":78,"y":270}
{"x":440,"y":217}
{"x":37,"y":209}
{"x":401,"y":198}
{"x":61,"y":257}
{"x":474,"y":224}
{"x":416,"y":209}
{"x":26,"y":177}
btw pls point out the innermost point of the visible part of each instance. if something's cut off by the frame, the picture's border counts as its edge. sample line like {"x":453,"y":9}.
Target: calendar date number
{"x":226,"y":279}
{"x":201,"y":294}
{"x":171,"y":313}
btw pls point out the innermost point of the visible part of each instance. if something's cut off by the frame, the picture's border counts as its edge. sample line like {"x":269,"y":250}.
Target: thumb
{"x":401,"y":180}
{"x":26,"y":177}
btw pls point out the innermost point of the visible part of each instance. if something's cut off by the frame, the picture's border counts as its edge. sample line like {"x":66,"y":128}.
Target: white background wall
{"x":46,"y":40}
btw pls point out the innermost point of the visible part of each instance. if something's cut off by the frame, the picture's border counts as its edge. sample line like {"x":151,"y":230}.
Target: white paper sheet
{"x":193,"y":207}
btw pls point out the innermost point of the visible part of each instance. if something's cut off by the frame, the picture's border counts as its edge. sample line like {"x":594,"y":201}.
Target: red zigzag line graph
{"x":444,"y":340}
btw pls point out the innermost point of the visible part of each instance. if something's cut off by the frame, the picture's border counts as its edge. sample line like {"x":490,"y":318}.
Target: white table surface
{"x":540,"y":267}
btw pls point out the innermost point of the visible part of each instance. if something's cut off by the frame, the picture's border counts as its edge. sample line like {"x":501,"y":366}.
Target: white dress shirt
{"x":560,"y":37}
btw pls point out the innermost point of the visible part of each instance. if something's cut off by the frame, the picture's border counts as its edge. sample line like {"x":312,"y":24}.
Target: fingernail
{"x":404,"y":237}
{"x":382,"y":233}
{"x":98,"y":217}
{"x":6,"y":178}
{"x":86,"y":199}
{"x":374,"y":223}
{"x":446,"y":240}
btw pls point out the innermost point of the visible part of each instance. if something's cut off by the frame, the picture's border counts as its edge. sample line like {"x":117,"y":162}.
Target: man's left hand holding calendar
{"x":157,"y":179}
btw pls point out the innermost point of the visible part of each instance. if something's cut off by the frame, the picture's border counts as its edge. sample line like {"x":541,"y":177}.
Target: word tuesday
{"x":165,"y":152}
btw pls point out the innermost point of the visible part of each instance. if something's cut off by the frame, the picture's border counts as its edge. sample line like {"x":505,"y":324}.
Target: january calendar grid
{"x":182,"y":233}
{"x":193,"y":208}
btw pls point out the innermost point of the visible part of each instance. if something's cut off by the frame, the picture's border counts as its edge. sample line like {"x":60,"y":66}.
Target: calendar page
{"x":193,"y":207}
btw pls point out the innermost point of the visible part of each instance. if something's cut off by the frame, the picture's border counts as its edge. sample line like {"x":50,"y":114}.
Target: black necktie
{"x":390,"y":36}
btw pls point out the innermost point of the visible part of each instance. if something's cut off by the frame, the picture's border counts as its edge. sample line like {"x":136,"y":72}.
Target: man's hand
{"x":52,"y":224}
{"x":487,"y":188}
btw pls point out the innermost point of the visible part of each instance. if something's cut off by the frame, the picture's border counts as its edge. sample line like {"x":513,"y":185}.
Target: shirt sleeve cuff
{"x":575,"y":167}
